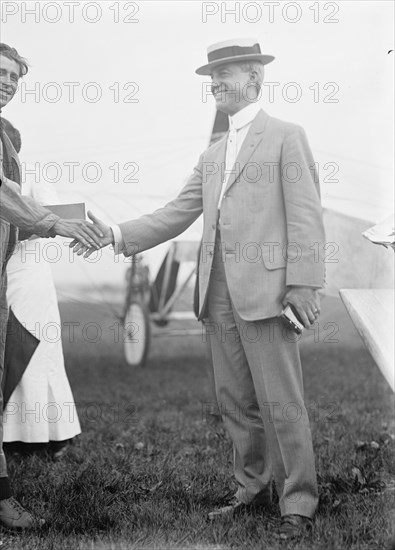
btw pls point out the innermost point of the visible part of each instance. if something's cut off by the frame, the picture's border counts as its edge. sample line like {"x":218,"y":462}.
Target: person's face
{"x":231,"y":88}
{"x":9,"y":77}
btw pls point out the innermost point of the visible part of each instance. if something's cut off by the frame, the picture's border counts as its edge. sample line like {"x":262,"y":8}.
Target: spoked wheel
{"x":136,"y":334}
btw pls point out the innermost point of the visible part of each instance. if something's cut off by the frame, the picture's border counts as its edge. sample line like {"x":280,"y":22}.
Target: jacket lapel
{"x":252,"y":139}
{"x":218,"y":165}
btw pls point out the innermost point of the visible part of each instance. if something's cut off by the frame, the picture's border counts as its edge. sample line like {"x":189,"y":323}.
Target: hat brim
{"x":208,"y":69}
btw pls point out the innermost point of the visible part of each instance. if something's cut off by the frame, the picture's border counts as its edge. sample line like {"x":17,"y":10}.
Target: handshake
{"x":88,"y":237}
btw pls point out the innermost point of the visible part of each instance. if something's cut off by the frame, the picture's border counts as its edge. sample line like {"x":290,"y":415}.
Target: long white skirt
{"x":42,"y":407}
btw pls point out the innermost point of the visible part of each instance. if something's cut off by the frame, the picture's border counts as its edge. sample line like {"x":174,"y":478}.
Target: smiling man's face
{"x":231,"y":88}
{"x":9,"y":77}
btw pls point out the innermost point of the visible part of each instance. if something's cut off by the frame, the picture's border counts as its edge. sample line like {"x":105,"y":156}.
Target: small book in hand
{"x":292,"y":319}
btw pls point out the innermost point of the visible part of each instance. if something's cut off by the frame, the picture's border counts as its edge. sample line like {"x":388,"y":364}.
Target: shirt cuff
{"x":119,"y":243}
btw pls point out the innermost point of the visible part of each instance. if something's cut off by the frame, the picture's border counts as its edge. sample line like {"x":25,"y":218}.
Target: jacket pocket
{"x":273,"y":258}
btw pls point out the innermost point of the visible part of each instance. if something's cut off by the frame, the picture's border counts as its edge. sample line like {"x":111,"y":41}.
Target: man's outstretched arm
{"x":33,"y":218}
{"x":163,"y":224}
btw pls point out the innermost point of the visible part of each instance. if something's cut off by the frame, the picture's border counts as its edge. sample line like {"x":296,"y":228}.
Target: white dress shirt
{"x":239,"y":124}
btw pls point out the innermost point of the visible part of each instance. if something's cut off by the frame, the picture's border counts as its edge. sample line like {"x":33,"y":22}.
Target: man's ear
{"x":253,"y":75}
{"x":254,"y":82}
{"x":256,"y":79}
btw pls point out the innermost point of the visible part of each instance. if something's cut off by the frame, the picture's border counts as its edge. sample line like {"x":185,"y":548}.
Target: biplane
{"x":362,"y":274}
{"x":160,"y":280}
{"x":366,"y":272}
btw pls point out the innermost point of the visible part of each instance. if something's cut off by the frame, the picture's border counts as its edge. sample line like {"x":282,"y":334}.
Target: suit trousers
{"x":259,"y":390}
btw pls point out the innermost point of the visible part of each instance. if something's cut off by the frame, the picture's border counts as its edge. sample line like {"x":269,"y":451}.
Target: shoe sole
{"x":12,"y":529}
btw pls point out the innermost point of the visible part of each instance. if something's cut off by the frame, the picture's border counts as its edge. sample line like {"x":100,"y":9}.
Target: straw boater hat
{"x":230,"y":51}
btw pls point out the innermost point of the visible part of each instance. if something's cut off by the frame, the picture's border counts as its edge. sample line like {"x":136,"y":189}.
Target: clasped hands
{"x":106,"y":237}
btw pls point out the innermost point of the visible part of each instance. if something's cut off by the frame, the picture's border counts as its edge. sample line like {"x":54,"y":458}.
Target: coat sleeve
{"x":305,"y":228}
{"x":166,"y":222}
{"x":24,"y":212}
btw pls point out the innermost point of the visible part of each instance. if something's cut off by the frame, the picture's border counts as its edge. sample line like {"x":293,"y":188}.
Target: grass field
{"x":148,"y":466}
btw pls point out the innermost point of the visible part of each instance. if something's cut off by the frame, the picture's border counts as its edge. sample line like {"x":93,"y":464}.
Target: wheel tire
{"x":136,"y":334}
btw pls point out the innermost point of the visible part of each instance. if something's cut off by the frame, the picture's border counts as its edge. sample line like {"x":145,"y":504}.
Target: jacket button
{"x":213,"y":226}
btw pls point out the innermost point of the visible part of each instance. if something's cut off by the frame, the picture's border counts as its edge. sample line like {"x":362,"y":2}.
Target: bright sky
{"x":153,"y":61}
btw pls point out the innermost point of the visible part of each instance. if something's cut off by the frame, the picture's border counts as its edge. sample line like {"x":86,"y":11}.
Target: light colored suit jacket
{"x":270,"y":221}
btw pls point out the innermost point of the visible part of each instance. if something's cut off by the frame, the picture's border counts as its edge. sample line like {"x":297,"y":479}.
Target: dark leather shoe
{"x":236,"y":508}
{"x":294,"y":526}
{"x":14,"y":516}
